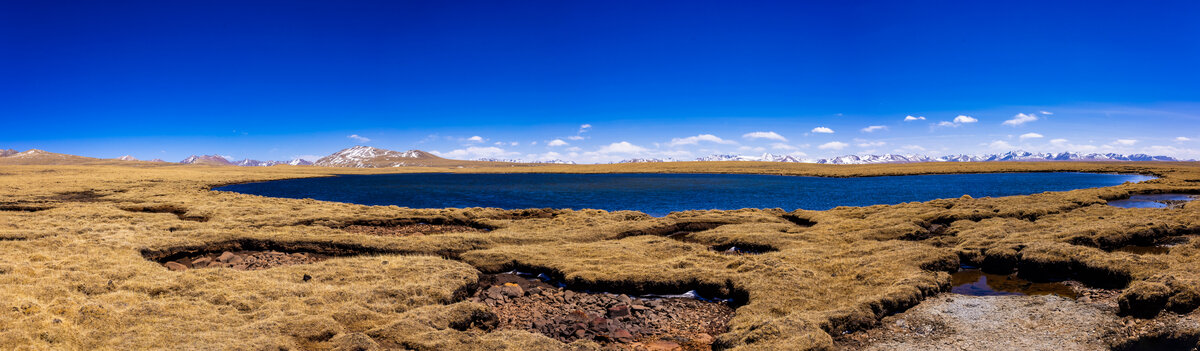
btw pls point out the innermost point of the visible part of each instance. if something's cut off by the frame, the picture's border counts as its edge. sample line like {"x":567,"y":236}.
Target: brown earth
{"x":243,"y":260}
{"x":410,"y":229}
{"x":617,"y":321}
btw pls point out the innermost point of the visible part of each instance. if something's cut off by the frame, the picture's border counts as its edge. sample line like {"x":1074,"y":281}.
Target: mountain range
{"x":1014,"y":156}
{"x":371,"y":157}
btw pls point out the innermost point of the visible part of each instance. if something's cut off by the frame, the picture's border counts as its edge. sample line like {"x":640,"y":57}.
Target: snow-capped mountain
{"x":647,"y":160}
{"x":1063,"y":156}
{"x":257,"y":163}
{"x":300,"y":162}
{"x":206,"y":160}
{"x":370,"y":157}
{"x":508,"y":160}
{"x":127,"y":158}
{"x":1015,"y":156}
{"x":556,"y":161}
{"x":868,"y":159}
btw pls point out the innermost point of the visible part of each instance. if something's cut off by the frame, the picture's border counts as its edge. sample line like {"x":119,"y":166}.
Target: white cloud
{"x":1045,"y":113}
{"x":1183,"y":139}
{"x":910,"y":148}
{"x":822,"y":130}
{"x":358,"y":138}
{"x":1126,"y":142}
{"x":1020,"y":119}
{"x":1058,"y":142}
{"x":871,"y":144}
{"x":693,"y":140}
{"x":575,"y":137}
{"x":557,"y":142}
{"x":782,"y":146}
{"x":1000,"y":145}
{"x":584,"y":128}
{"x":574,"y":148}
{"x":963,"y":119}
{"x":873,"y":128}
{"x":474,"y":152}
{"x":833,"y":145}
{"x":764,"y":135}
{"x":623,"y":147}
{"x":1030,"y":136}
{"x":475,"y":139}
{"x":911,"y":118}
{"x":514,"y":143}
{"x":946,"y":124}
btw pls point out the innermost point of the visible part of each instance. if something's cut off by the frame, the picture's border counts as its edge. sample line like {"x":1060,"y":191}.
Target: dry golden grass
{"x":74,"y":241}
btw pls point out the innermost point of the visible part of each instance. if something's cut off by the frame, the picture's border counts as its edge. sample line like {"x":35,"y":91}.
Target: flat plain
{"x":134,"y":256}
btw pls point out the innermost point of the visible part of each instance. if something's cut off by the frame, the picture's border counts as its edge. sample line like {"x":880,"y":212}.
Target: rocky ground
{"x":1045,"y":322}
{"x":410,"y":229}
{"x":619,"y":322}
{"x":243,"y":260}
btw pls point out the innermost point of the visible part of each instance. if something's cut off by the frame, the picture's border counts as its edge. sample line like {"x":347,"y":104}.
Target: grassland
{"x":78,"y":243}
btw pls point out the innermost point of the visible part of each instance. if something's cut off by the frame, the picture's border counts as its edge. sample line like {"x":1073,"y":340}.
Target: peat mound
{"x":617,"y":321}
{"x":672,"y":230}
{"x":416,"y":229}
{"x":243,"y":260}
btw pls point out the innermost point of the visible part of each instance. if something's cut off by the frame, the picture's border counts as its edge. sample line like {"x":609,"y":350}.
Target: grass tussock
{"x":81,"y":247}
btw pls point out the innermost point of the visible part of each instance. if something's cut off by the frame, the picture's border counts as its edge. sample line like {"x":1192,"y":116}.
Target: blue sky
{"x":277,"y":80}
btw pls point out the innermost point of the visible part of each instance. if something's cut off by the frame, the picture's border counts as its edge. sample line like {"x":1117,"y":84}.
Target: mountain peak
{"x":127,"y":158}
{"x":206,"y":160}
{"x":367,"y":156}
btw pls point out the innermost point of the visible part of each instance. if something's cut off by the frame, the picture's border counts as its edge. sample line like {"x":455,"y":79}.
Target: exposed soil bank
{"x":411,"y":229}
{"x":263,"y":250}
{"x":178,"y":211}
{"x":243,"y":260}
{"x":615,"y":320}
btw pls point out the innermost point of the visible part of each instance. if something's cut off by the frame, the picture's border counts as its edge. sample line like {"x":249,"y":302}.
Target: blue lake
{"x":659,"y":194}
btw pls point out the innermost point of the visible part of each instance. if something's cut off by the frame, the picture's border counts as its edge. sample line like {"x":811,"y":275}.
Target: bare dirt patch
{"x":411,"y":229}
{"x":23,"y":207}
{"x":617,"y":321}
{"x":178,"y":211}
{"x":254,"y":254}
{"x":673,"y":230}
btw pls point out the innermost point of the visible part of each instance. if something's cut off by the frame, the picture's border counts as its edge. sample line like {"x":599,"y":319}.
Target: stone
{"x":226,"y":256}
{"x":175,"y":266}
{"x":663,"y":345}
{"x":512,"y":290}
{"x":201,"y":262}
{"x":618,"y":311}
{"x":622,"y":335}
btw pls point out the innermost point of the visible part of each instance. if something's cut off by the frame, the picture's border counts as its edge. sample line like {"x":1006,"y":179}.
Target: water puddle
{"x":1154,"y":201}
{"x":974,"y":282}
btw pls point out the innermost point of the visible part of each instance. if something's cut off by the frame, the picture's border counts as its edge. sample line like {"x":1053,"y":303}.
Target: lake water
{"x":660,"y":194}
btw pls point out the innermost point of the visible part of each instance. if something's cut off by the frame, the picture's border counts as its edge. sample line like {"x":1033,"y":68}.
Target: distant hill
{"x":42,"y":157}
{"x":6,"y":153}
{"x":214,"y":160}
{"x":372,"y":157}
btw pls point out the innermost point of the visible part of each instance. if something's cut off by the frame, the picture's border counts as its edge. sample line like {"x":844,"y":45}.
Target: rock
{"x":663,"y":345}
{"x":306,"y":277}
{"x":618,"y":311}
{"x":175,"y":266}
{"x":226,"y":256}
{"x":622,"y":335}
{"x":705,"y":339}
{"x":511,"y":290}
{"x":201,"y":262}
